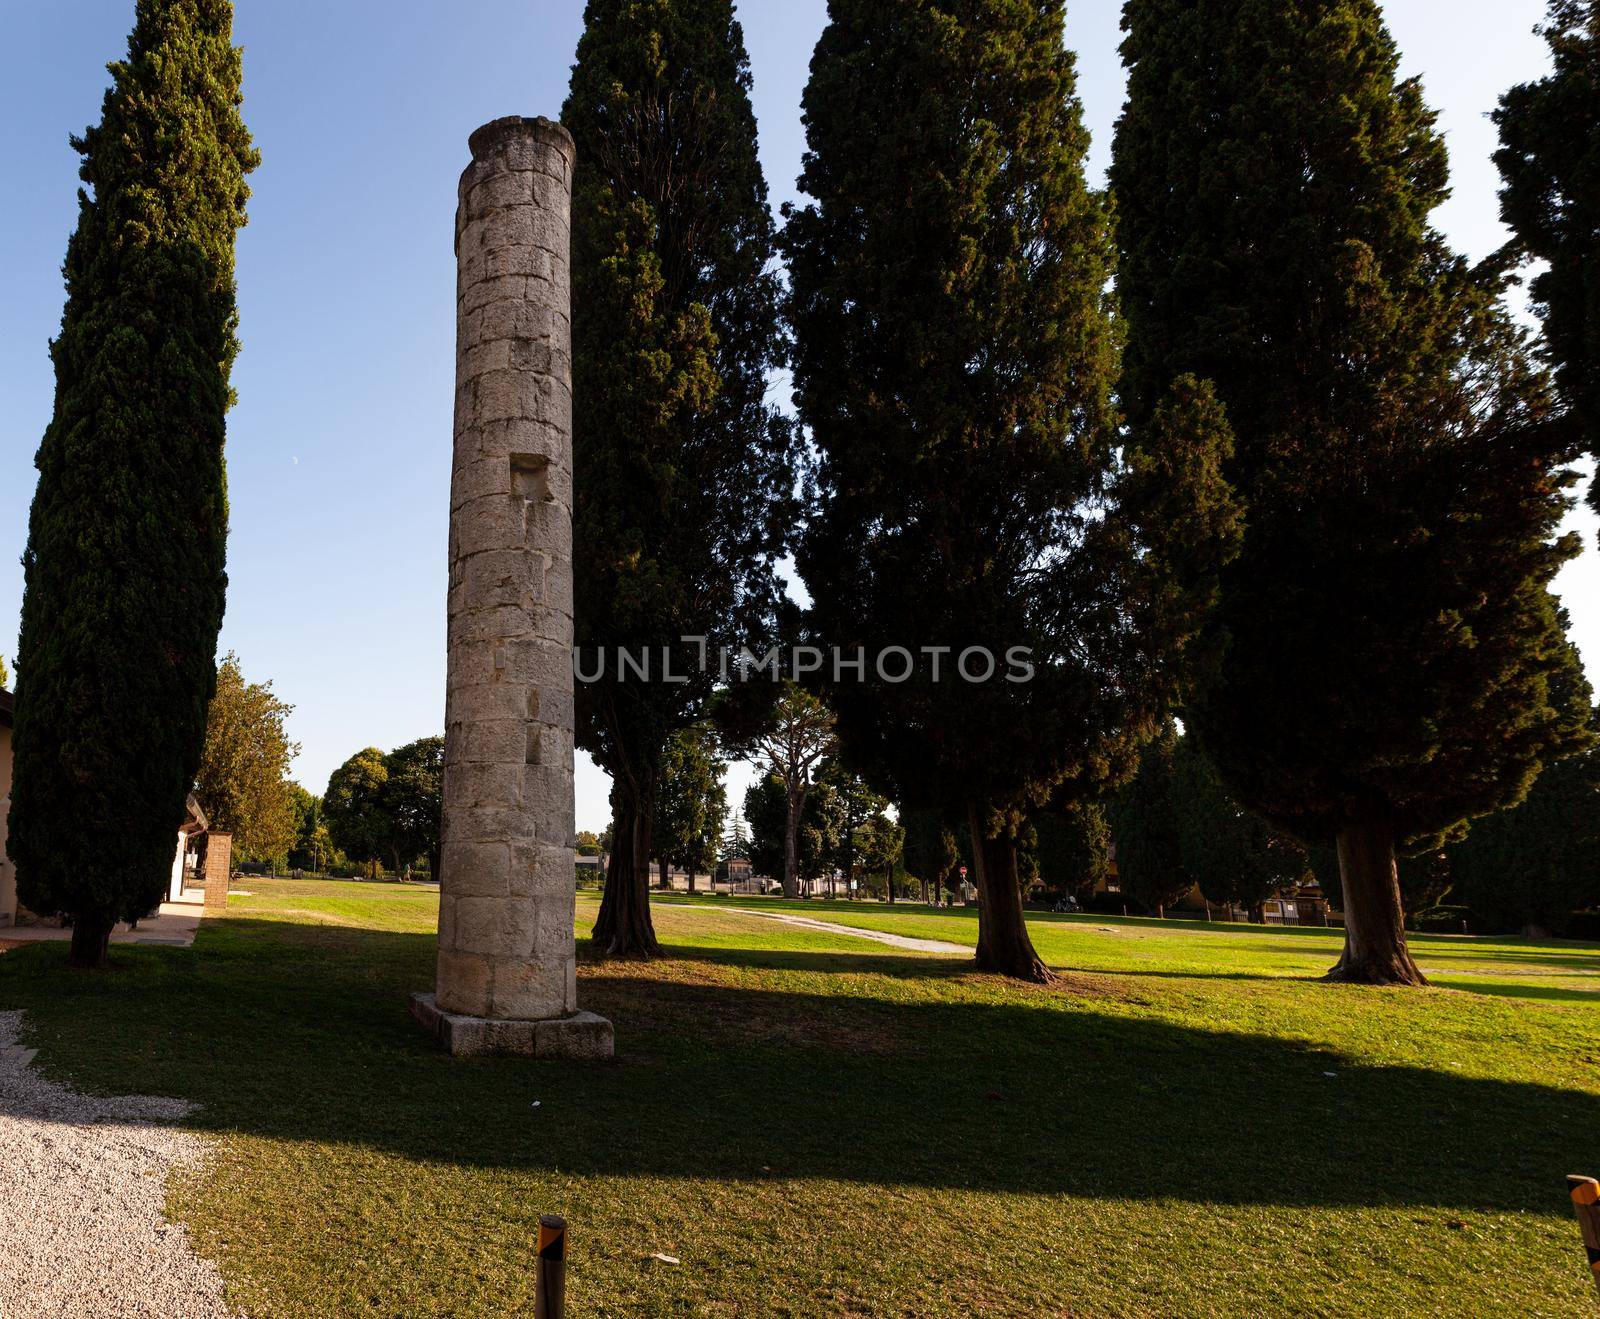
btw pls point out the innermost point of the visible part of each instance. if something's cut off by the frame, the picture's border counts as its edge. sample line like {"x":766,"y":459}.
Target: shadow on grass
{"x":301,"y":1033}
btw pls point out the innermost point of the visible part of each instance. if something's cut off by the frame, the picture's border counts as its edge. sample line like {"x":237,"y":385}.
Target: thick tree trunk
{"x":1004,"y":945}
{"x":689,"y":876}
{"x":665,"y":870}
{"x":623,"y":927}
{"x":1375,"y":951}
{"x":91,"y":939}
{"x":888,"y":883}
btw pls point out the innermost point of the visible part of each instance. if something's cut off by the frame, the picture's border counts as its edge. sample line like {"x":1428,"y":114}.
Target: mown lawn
{"x":817,"y":1125}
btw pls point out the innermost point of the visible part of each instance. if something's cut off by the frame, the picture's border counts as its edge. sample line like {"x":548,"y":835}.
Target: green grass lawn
{"x":817,"y":1125}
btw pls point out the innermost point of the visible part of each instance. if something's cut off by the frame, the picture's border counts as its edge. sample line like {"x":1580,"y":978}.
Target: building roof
{"x":8,"y":705}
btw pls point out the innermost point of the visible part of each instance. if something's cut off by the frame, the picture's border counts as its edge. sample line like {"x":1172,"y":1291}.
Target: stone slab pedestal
{"x":583,"y":1036}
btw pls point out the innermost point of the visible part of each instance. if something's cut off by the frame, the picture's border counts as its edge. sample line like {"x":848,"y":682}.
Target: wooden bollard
{"x":1586,"y":1200}
{"x":550,"y":1290}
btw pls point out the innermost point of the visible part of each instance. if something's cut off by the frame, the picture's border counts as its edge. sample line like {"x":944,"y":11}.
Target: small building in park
{"x":203,"y":861}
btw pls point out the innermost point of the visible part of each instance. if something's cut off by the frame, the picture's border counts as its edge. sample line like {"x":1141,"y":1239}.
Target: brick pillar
{"x":218,"y":867}
{"x":507,"y":965}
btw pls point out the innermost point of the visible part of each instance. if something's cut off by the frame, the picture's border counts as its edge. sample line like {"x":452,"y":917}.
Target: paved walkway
{"x":174,"y":925}
{"x":855,"y":932}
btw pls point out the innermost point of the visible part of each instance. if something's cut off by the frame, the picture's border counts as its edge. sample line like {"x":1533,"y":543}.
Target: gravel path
{"x":82,"y":1192}
{"x":855,"y":932}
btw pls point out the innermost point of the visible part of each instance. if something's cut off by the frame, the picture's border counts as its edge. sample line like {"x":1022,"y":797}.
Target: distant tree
{"x":243,"y":783}
{"x":5,"y":678}
{"x":1072,"y":848}
{"x":354,"y":809}
{"x":587,"y":843}
{"x":955,"y":361}
{"x":882,"y":845}
{"x":686,"y":487}
{"x":797,"y":738}
{"x":1147,"y":822}
{"x":1391,"y":638}
{"x":1534,"y":865}
{"x":858,"y":804}
{"x":1550,"y":161}
{"x":811,"y":846}
{"x":930,"y":849}
{"x":124,"y":577}
{"x":1236,"y":857}
{"x":1530,"y":868}
{"x":305,"y":810}
{"x":736,"y":842}
{"x":692,"y":804}
{"x":413,"y":800}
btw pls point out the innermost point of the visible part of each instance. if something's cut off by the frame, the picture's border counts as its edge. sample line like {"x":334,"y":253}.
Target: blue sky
{"x":339,"y":450}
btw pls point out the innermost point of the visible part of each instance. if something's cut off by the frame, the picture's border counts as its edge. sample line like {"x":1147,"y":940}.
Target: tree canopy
{"x":815,"y":839}
{"x":693,"y":803}
{"x":413,"y":800}
{"x":955,"y":360}
{"x":1392,"y":641}
{"x":684,"y":483}
{"x":355,"y":810}
{"x":1549,"y":159}
{"x":1071,"y":848}
{"x":243,"y":783}
{"x":124,"y":566}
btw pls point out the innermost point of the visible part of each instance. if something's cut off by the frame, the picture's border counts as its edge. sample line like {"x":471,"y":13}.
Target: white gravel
{"x":82,"y":1191}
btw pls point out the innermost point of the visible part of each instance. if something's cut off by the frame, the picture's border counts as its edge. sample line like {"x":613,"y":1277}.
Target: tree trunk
{"x":791,"y":844}
{"x":623,"y":927}
{"x":689,"y":875}
{"x":666,"y":873}
{"x":1375,"y":951}
{"x":849,"y":847}
{"x":91,"y":939}
{"x":888,"y":883}
{"x":1003,"y":942}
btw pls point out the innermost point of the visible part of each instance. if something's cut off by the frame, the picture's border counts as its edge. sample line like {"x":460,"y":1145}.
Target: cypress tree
{"x":1550,"y":161}
{"x":1393,"y":643}
{"x":124,"y":567}
{"x":1072,"y":849}
{"x":955,"y":357}
{"x":684,"y":482}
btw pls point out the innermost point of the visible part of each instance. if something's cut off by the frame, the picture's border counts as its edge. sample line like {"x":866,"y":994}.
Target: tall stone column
{"x":507,"y":967}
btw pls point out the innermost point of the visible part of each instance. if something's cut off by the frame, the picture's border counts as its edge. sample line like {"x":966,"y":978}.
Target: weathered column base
{"x":582,"y":1036}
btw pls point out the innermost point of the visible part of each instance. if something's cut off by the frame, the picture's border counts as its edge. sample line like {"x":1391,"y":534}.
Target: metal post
{"x":1586,"y":1200}
{"x":550,"y":1293}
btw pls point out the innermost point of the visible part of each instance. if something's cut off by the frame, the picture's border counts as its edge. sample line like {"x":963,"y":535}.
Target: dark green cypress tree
{"x":1532,"y":867}
{"x":683,"y":475}
{"x":955,"y":357}
{"x":1147,"y":821}
{"x":1550,"y":161}
{"x":124,"y":567}
{"x":1072,"y":849}
{"x":1392,"y":639}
